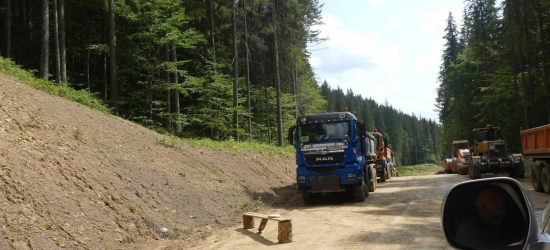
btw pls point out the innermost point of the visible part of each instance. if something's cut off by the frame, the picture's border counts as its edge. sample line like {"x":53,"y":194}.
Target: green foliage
{"x":8,"y":67}
{"x":133,"y":209}
{"x":78,"y":134}
{"x":499,"y":75}
{"x":242,"y":206}
{"x":412,"y":140}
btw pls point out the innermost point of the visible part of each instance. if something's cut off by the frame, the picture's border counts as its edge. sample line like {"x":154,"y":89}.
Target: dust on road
{"x":403,"y":213}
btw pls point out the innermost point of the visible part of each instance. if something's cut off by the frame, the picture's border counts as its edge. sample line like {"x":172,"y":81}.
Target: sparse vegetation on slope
{"x":81,"y":96}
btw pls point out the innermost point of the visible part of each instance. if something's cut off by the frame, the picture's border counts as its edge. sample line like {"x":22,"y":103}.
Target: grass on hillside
{"x":234,"y":147}
{"x":419,"y":169}
{"x":81,"y":96}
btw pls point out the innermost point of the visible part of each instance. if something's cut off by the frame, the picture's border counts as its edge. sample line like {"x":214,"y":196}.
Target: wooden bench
{"x":285,"y":225}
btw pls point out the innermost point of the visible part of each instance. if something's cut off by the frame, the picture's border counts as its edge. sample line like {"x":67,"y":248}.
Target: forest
{"x":224,"y":70}
{"x":494,"y":70}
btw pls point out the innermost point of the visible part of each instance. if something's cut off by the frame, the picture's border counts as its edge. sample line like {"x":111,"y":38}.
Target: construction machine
{"x":490,"y":154}
{"x":460,"y":156}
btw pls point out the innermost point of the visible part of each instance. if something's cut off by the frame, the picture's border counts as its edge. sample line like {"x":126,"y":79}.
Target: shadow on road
{"x":256,"y":237}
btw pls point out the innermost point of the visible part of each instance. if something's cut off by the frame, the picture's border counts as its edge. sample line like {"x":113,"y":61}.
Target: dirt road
{"x":402,"y":213}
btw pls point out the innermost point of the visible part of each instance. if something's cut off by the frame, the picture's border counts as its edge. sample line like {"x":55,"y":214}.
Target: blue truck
{"x":334,"y":153}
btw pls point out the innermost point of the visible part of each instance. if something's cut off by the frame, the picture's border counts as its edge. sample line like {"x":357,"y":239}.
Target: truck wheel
{"x":535,"y":178}
{"x":307,"y":197}
{"x":383,"y":177}
{"x":518,"y":171}
{"x":545,"y":180}
{"x":361,"y":192}
{"x":372,"y":179}
{"x":474,"y":171}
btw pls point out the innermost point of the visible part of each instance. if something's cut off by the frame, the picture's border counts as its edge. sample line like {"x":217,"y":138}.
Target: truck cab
{"x":330,"y":150}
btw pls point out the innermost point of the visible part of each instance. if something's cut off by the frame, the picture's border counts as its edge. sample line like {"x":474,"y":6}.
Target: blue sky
{"x":385,"y":49}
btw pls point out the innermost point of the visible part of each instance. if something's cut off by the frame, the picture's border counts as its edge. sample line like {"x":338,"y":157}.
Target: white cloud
{"x":315,"y":61}
{"x":392,"y":54}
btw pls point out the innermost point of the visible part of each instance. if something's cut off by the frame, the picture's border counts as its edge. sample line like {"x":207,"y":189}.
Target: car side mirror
{"x":493,"y":213}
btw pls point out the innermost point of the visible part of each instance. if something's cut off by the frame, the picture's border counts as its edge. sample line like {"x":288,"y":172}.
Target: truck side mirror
{"x":488,"y":213}
{"x":362,"y":129}
{"x":291,"y":135}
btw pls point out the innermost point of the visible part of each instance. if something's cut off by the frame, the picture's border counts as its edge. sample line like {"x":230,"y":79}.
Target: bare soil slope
{"x":76,"y":178}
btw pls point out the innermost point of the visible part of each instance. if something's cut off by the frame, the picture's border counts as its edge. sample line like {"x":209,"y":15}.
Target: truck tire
{"x":518,"y":171}
{"x":308,"y":197}
{"x":545,"y":180}
{"x":372,"y":179}
{"x":474,"y":171}
{"x":535,"y":178}
{"x":361,"y":192}
{"x":383,"y":176}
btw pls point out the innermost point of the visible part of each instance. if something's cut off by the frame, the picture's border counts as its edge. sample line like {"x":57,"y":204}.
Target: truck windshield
{"x":320,"y":132}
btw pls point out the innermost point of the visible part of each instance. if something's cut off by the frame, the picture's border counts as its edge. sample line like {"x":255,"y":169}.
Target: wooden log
{"x":262,"y":225}
{"x":285,"y":232}
{"x":248,"y":222}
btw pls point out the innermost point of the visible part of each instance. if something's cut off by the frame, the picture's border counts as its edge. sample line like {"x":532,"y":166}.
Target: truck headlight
{"x":352,"y":177}
{"x":301,"y":179}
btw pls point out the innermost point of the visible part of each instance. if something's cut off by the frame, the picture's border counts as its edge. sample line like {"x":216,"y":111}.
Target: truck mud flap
{"x":321,"y":184}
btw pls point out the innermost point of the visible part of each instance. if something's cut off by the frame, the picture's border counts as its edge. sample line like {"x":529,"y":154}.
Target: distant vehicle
{"x":460,"y":156}
{"x":490,"y":155}
{"x":383,"y":156}
{"x":332,"y":155}
{"x":535,"y":143}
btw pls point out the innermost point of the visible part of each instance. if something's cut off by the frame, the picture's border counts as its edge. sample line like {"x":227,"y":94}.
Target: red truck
{"x":536,"y":146}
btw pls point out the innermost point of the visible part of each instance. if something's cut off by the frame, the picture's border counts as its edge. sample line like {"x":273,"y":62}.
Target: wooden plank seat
{"x":285,"y":225}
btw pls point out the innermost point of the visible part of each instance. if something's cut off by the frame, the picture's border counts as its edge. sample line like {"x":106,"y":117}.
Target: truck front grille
{"x":316,"y":158}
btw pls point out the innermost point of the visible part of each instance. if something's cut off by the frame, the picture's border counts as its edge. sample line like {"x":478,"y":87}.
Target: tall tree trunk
{"x":112,"y":54}
{"x":236,"y":75}
{"x":105,"y":79}
{"x":167,"y":123}
{"x":45,"y":48}
{"x":295,"y":88}
{"x":150,"y":100}
{"x":56,"y":42}
{"x":212,"y":34}
{"x":545,"y":67}
{"x":104,"y":40}
{"x":62,"y":49}
{"x":7,"y":26}
{"x":267,"y":99}
{"x":22,"y":17}
{"x":277,"y":79}
{"x":249,"y":107}
{"x":23,"y":29}
{"x":522,"y":65}
{"x":176,"y":92}
{"x":515,"y":72}
{"x":88,"y":66}
{"x":529,"y":64}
